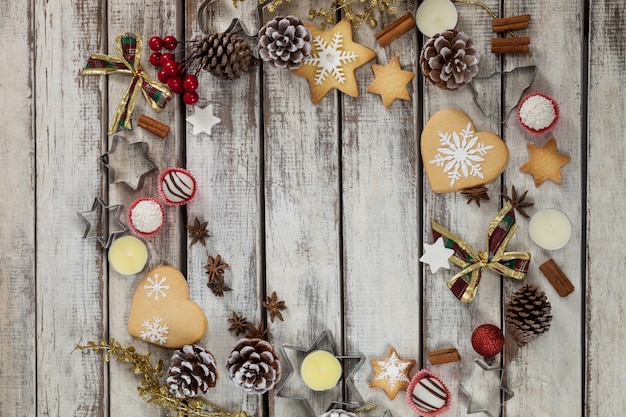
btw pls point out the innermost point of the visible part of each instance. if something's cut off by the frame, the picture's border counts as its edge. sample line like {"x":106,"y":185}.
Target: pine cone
{"x":449,"y":60}
{"x":528,"y":314}
{"x":338,"y":412}
{"x":253,"y":366}
{"x":192,"y":369}
{"x":285,"y":42}
{"x":225,"y":55}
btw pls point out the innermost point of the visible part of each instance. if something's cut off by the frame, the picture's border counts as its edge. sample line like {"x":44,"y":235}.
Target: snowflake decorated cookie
{"x":457,"y":157}
{"x":162,"y":313}
{"x":333,"y":61}
{"x":392,"y":373}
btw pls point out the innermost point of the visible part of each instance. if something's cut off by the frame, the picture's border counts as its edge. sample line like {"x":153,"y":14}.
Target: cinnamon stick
{"x":153,"y":126}
{"x":557,"y":278}
{"x":521,"y":40}
{"x":438,"y":357}
{"x":505,"y":24}
{"x":395,"y":29}
{"x":512,"y":49}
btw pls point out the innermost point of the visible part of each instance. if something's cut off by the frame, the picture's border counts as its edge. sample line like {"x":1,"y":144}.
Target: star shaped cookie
{"x":392,"y":373}
{"x":333,"y":61}
{"x":203,"y":120}
{"x":436,"y":255}
{"x":391,"y":82}
{"x":545,"y":163}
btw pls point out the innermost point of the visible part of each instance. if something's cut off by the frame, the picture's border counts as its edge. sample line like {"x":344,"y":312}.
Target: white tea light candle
{"x":320,"y":370}
{"x":434,"y":16}
{"x":128,"y":255}
{"x":550,"y":229}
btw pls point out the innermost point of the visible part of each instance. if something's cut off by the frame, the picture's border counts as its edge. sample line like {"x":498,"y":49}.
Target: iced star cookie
{"x":392,"y":373}
{"x":333,"y":61}
{"x":456,"y":157}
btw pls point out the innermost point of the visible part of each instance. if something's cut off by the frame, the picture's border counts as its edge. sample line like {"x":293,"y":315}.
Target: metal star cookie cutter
{"x":324,"y":342}
{"x":479,"y":405}
{"x":530,"y":70}
{"x":235,"y":16}
{"x":386,"y":413}
{"x":99,"y":224}
{"x":127,"y":162}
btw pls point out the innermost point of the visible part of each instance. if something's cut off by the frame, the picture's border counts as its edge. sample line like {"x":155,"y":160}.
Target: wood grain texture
{"x":17,"y":275}
{"x":147,"y":19}
{"x":70,"y":283}
{"x":227,"y":166}
{"x":605,"y":337}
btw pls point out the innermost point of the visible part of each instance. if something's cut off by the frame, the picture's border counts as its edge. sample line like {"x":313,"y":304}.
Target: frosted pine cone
{"x":528,"y":314}
{"x":285,"y":42}
{"x":449,"y":60}
{"x":192,"y":369}
{"x":338,"y":412}
{"x":225,"y":55}
{"x":253,"y":366}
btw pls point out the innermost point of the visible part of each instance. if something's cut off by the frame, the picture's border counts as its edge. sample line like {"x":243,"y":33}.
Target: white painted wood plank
{"x":153,"y":19}
{"x":17,"y":277}
{"x":302,"y":224}
{"x":227,"y":166}
{"x":70,"y":281}
{"x":381,"y":229}
{"x":604,"y":379}
{"x":550,"y":368}
{"x":446,"y":321}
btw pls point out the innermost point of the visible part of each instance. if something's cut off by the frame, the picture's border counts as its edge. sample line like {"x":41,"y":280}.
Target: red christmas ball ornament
{"x":169,"y":42}
{"x":488,"y":341}
{"x":155,"y":43}
{"x":155,"y":58}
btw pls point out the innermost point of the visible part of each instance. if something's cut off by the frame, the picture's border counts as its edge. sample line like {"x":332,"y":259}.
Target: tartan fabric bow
{"x":464,"y":285}
{"x":129,"y":48}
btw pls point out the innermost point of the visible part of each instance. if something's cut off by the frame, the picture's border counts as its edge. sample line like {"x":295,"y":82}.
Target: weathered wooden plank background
{"x":325,"y":204}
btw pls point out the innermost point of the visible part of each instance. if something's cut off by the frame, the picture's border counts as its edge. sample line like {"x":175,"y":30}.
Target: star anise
{"x":198,"y":232}
{"x":238,"y":324}
{"x":274,"y":307}
{"x":215,"y":267}
{"x":518,"y":202}
{"x":476,"y":194}
{"x":218,"y":287}
{"x":258,"y":332}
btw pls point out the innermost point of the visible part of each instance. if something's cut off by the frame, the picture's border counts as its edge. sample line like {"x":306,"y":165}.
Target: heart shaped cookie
{"x":162,"y":313}
{"x":456,"y":157}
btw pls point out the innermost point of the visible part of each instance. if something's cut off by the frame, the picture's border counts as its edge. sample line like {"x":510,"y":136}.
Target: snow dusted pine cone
{"x":285,"y":42}
{"x":449,"y":60}
{"x":253,"y":366}
{"x":528,"y":314}
{"x":225,"y":55}
{"x":338,"y":412}
{"x":192,"y":369}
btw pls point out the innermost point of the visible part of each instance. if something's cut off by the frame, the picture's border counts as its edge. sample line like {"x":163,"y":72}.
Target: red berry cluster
{"x":173,"y":73}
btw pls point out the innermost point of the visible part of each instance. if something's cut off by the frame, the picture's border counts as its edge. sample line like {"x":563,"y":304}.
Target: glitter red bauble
{"x":488,"y":341}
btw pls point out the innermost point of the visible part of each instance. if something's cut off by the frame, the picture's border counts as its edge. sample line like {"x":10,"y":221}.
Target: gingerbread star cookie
{"x":333,"y":61}
{"x":392,"y":373}
{"x":545,"y":163}
{"x":391,"y":82}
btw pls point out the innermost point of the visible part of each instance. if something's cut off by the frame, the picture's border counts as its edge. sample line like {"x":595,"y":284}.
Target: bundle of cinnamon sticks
{"x":514,"y":45}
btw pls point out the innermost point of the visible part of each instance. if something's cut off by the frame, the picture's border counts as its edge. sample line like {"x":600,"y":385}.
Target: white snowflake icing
{"x":393,"y":370}
{"x":156,"y":288}
{"x":155,"y":331}
{"x":462,"y":153}
{"x":329,"y":58}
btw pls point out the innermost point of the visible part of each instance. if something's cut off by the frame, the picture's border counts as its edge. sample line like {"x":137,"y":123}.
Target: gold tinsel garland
{"x":151,"y":390}
{"x":327,"y":14}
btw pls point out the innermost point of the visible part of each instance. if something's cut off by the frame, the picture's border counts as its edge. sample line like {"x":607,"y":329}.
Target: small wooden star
{"x":545,"y":163}
{"x":391,"y":82}
{"x":476,"y":194}
{"x":392,"y":373}
{"x":215,"y":267}
{"x":274,"y":307}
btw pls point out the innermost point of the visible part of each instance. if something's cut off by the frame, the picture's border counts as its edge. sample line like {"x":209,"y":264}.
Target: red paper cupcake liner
{"x":409,"y":394}
{"x":162,"y":194}
{"x":130,"y":221}
{"x":557,"y":114}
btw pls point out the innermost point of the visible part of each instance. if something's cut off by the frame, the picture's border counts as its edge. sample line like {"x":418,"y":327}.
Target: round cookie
{"x":456,"y":157}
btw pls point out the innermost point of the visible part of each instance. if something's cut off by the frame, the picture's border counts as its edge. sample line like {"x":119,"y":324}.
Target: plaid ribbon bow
{"x":129,"y":48}
{"x":464,"y":285}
